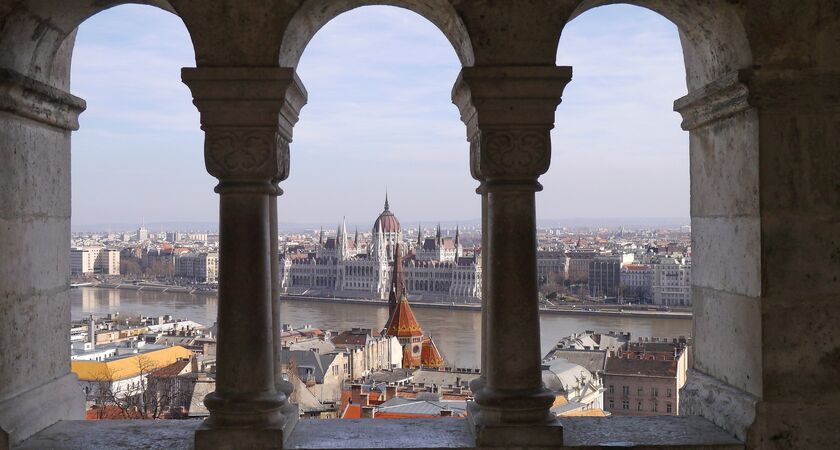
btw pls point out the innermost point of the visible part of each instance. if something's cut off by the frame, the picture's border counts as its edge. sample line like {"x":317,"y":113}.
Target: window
{"x":668,"y":394}
{"x":612,"y":404}
{"x":668,"y":407}
{"x":612,"y":389}
{"x":640,"y":392}
{"x":639,"y":406}
{"x":625,"y":391}
{"x":655,"y":392}
{"x":625,"y":404}
{"x":654,"y":408}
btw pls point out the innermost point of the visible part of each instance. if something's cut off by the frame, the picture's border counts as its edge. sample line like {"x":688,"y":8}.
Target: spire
{"x":342,"y":245}
{"x":419,"y":235}
{"x":438,"y":232}
{"x":386,"y":200}
{"x":457,"y":232}
{"x":397,"y":286}
{"x":356,"y":238}
{"x":321,"y":238}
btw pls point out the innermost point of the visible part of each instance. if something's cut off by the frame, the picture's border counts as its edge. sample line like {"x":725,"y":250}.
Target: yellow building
{"x":128,"y":367}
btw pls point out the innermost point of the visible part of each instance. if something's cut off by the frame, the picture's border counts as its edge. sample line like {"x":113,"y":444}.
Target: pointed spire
{"x":356,"y":238}
{"x":457,"y":234}
{"x":386,"y":200}
{"x":438,"y":232}
{"x":321,"y":238}
{"x":419,"y":235}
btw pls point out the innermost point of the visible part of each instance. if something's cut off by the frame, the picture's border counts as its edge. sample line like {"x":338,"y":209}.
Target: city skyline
{"x":383,"y":120}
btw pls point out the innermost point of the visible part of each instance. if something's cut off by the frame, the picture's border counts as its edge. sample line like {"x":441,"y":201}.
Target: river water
{"x":457,"y":333}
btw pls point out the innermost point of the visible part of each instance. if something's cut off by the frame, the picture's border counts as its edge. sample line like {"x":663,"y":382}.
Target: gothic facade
{"x":435,"y":269}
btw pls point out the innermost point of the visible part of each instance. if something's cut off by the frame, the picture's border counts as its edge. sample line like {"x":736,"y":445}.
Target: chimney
{"x":356,"y":394}
{"x":92,"y":332}
{"x":390,"y":392}
{"x":368,"y":412}
{"x":363,"y":399}
{"x":446,"y":413}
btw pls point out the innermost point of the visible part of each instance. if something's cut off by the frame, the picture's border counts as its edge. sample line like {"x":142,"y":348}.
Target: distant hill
{"x":296,"y":227}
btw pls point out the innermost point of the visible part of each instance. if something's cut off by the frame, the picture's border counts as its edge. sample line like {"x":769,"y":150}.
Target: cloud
{"x":379,"y":114}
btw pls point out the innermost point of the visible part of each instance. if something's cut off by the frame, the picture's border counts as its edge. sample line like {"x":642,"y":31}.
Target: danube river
{"x":457,"y":333}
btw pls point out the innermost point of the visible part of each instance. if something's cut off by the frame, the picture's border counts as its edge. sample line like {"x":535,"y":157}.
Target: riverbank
{"x":582,"y":310}
{"x":613,"y":311}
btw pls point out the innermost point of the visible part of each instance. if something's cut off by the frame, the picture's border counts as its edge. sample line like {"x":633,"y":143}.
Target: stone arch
{"x":712,"y":33}
{"x":38,"y":37}
{"x":724,"y":383}
{"x":315,"y":14}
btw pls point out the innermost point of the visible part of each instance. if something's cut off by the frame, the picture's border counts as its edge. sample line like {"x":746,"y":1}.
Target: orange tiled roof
{"x":430,"y":355}
{"x":111,"y":412}
{"x":403,"y":323}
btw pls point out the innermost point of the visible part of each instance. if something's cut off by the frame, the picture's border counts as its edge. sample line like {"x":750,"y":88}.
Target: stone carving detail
{"x":246,"y":154}
{"x":513,"y":154}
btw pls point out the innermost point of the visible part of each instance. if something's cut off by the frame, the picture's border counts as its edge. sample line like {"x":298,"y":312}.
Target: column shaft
{"x":511,"y":302}
{"x":245,"y":392}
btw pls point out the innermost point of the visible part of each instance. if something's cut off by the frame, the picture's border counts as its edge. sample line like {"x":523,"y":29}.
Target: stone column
{"x":280,"y":384}
{"x":35,"y":125}
{"x":509,"y":112}
{"x":247,"y":114}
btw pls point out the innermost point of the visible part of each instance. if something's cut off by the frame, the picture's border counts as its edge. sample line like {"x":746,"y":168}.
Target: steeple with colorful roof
{"x":418,"y":350}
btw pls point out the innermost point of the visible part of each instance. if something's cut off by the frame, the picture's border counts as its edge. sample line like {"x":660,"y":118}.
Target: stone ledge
{"x":579,"y":433}
{"x":716,"y":101}
{"x":25,"y":97}
{"x":733,"y":409}
{"x":24,"y":415}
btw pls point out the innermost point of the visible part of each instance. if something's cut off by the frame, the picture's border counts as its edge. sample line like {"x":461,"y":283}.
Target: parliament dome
{"x":387,"y":222}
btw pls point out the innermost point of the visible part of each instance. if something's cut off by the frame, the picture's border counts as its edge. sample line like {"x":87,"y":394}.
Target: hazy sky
{"x":379,"y":115}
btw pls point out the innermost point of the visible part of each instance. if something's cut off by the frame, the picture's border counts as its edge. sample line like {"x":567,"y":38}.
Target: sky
{"x":379,"y":117}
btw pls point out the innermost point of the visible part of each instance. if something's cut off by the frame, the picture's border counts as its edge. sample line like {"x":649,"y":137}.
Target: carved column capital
{"x":246,"y":157}
{"x":247,"y":114}
{"x":509,"y":112}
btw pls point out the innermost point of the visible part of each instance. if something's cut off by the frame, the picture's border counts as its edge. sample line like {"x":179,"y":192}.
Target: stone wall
{"x":764,"y":123}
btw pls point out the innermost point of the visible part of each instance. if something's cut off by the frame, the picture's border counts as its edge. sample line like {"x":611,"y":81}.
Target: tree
{"x":130,"y":266}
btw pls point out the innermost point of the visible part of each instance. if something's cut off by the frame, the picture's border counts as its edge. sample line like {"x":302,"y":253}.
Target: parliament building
{"x":435,"y":268}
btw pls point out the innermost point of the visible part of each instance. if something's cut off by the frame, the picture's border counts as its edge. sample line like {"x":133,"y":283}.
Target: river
{"x":457,"y":333}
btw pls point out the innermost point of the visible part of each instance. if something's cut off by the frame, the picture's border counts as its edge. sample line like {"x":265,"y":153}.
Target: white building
{"x":368,"y":353}
{"x":437,"y":270}
{"x":201,"y":267}
{"x":94,"y":260}
{"x":672,"y":281}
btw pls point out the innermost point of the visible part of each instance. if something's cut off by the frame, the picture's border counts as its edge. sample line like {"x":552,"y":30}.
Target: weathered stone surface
{"x":727,"y":331}
{"x":25,"y":415}
{"x":724,"y":175}
{"x":726,"y":254}
{"x":728,"y":407}
{"x":800,"y":268}
{"x":35,"y":174}
{"x":115,"y":434}
{"x":583,"y":433}
{"x":645,"y":432}
{"x":795,"y":347}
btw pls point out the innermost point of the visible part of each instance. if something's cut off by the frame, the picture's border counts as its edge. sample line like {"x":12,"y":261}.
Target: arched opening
{"x":137,"y":179}
{"x":615,"y":241}
{"x":379,"y":117}
{"x":39,"y":116}
{"x":725,"y":283}
{"x":314,"y":15}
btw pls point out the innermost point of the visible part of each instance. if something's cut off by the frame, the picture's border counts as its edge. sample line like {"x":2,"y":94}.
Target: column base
{"x":273,"y":437}
{"x":26,"y":414}
{"x":548,"y":434}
